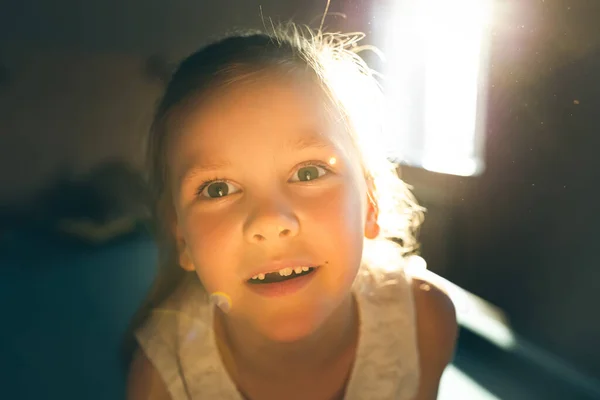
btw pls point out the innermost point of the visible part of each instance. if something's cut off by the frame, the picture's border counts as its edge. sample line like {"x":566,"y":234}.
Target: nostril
{"x":284,"y":233}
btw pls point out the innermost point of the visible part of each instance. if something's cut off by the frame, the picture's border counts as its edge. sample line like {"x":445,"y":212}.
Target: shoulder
{"x":437,"y":331}
{"x":144,"y":382}
{"x":436,"y":315}
{"x":180,"y":322}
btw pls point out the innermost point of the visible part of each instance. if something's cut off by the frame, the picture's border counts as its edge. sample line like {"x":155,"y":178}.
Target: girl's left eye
{"x":309,"y":173}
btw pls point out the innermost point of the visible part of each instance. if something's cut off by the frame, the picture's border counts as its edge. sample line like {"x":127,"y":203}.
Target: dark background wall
{"x":522,"y":235}
{"x":75,"y":91}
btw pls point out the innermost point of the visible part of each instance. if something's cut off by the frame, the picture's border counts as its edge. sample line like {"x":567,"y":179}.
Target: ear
{"x":185,"y":258}
{"x":372,"y":228}
{"x":371,"y":225}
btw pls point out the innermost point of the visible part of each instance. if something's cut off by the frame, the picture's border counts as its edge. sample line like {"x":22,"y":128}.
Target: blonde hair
{"x":333,"y":61}
{"x":356,"y":90}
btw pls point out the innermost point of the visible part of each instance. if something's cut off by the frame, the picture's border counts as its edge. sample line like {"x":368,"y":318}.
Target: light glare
{"x":437,"y":72}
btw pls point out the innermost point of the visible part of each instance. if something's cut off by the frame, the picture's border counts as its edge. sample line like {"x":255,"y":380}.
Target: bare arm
{"x":437,"y":331}
{"x":144,"y":382}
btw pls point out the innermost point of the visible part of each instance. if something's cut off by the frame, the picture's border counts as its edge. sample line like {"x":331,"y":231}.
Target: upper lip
{"x":276,"y":265}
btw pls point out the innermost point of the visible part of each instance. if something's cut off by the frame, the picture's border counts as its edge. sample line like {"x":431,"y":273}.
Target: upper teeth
{"x":284,"y":272}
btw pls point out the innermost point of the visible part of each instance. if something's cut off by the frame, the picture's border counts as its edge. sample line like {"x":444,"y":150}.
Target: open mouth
{"x":283,"y":275}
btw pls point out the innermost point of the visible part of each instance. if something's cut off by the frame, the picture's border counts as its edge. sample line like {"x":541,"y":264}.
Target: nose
{"x":271,"y":221}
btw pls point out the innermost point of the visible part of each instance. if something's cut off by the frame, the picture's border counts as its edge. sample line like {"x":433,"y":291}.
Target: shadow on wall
{"x":110,"y":201}
{"x":65,"y":108}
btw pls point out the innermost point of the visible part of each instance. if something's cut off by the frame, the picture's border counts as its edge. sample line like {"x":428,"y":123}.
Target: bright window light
{"x":436,"y":73}
{"x":457,"y":385}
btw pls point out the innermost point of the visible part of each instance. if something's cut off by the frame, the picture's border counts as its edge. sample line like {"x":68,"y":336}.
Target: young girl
{"x":275,"y":204}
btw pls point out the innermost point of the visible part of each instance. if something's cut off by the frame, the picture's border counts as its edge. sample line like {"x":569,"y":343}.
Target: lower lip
{"x":284,"y":288}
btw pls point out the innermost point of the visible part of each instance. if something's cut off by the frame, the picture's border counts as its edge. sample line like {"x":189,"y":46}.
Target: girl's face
{"x":260,"y":184}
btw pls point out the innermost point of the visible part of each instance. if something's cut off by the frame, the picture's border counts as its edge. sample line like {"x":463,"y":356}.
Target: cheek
{"x":336,"y":233}
{"x":209,"y":240}
{"x":337,"y":214}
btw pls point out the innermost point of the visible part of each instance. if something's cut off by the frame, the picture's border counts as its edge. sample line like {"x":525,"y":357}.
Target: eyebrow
{"x":197,"y":168}
{"x":308,"y":142}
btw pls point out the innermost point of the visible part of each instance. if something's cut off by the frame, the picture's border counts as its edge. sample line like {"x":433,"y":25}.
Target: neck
{"x":243,"y":344}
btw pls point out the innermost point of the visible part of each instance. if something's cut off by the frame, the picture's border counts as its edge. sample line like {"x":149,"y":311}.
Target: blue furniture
{"x":66,"y":307}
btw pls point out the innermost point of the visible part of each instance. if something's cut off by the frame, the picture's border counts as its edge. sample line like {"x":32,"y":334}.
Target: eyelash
{"x":207,"y":183}
{"x":315,"y":164}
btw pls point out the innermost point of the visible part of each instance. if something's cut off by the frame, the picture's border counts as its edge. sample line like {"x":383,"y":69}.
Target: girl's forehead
{"x":279,"y":113}
{"x":263,"y":104}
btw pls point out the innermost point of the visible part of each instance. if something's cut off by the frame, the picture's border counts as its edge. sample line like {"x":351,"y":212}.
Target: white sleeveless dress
{"x":179,"y":340}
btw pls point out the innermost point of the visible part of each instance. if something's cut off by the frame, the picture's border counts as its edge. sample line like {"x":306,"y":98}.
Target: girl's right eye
{"x":216,"y":189}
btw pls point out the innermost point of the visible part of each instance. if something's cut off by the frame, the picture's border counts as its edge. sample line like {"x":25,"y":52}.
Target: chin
{"x":290,"y":327}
